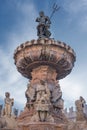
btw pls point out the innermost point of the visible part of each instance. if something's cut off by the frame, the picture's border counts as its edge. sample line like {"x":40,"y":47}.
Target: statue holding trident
{"x":44,"y":25}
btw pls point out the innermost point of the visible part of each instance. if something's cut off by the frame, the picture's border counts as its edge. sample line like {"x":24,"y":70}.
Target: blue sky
{"x":17,"y":25}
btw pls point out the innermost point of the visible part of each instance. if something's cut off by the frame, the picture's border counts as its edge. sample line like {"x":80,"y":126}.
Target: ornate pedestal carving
{"x":44,"y":62}
{"x":40,"y":126}
{"x":35,"y":53}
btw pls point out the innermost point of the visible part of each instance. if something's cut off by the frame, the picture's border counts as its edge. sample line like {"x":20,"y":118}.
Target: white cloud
{"x":77,"y":13}
{"x":83,"y":23}
{"x":75,"y":6}
{"x":74,"y":86}
{"x":10,"y":79}
{"x":26,"y":26}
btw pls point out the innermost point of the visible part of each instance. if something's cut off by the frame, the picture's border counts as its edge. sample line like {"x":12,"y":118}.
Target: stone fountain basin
{"x":49,"y":52}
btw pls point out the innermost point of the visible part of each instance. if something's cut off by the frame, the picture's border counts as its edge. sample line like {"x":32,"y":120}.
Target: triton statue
{"x":44,"y":25}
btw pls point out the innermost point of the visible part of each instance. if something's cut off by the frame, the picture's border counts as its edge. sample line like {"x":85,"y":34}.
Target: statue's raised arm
{"x":43,"y":26}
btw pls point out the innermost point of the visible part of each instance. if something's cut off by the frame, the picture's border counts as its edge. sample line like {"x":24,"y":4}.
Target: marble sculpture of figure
{"x":8,"y":104}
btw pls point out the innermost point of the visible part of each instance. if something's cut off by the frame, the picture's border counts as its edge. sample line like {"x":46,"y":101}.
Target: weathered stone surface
{"x":7,"y":120}
{"x":49,"y":52}
{"x":8,"y":105}
{"x":42,"y":103}
{"x":43,"y":72}
{"x":3,"y":123}
{"x":44,"y":62}
{"x":78,"y":125}
{"x":11,"y":123}
{"x":80,"y":115}
{"x":40,"y":126}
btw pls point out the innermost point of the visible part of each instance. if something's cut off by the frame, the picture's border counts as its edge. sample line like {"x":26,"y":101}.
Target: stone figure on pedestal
{"x":30,"y":95}
{"x":44,"y":25}
{"x":7,"y":120}
{"x":80,"y":116}
{"x":41,"y":90}
{"x":42,"y":103}
{"x":8,"y":104}
{"x":57,"y":97}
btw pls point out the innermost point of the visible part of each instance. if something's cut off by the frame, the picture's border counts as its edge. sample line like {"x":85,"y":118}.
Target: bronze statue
{"x":44,"y":25}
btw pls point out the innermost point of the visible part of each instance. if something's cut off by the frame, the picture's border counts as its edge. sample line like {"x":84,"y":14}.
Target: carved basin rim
{"x":63,"y":66}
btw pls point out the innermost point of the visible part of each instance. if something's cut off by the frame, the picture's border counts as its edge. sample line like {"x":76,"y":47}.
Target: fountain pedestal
{"x":44,"y":62}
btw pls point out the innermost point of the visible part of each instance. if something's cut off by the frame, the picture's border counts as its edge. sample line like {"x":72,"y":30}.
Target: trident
{"x":55,"y":8}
